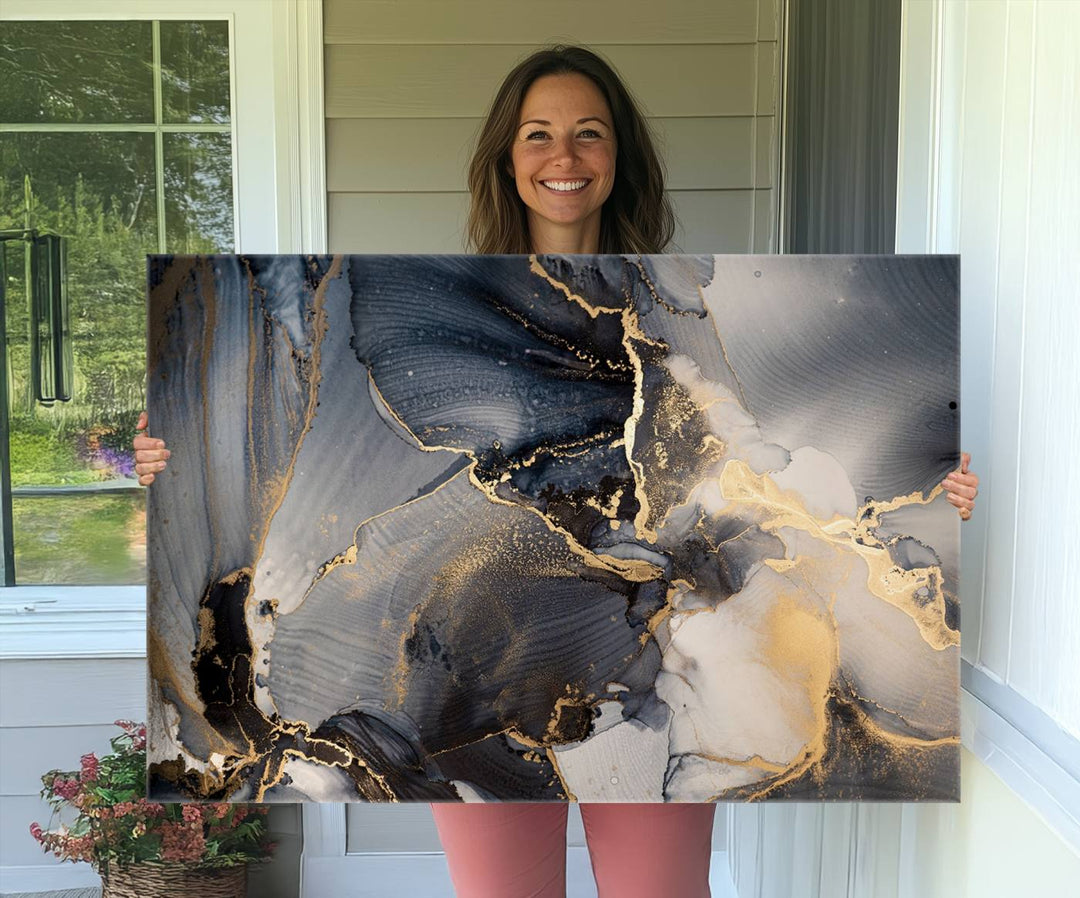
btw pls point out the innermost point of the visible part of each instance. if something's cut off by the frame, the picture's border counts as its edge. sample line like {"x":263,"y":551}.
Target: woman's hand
{"x":150,"y":453}
{"x":961,"y":488}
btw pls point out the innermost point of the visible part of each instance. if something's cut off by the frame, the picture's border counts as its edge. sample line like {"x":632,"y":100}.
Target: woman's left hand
{"x":961,"y":488}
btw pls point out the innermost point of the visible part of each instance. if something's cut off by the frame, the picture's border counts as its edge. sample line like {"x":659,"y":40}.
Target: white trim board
{"x":38,"y":622}
{"x":298,"y":78}
{"x":1047,"y":787}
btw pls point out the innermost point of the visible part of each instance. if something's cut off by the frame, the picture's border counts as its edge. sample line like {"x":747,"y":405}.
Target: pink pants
{"x":519,"y":850}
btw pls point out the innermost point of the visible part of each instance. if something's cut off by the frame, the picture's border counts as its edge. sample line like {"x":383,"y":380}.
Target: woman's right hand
{"x":150,"y":453}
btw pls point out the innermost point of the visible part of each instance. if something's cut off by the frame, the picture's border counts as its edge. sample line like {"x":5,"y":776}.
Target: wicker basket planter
{"x":174,"y":881}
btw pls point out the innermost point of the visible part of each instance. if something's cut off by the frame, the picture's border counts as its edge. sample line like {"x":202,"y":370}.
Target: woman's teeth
{"x":564,"y":185}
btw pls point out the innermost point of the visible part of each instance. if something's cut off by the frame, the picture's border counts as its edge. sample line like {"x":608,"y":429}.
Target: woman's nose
{"x":564,"y":150}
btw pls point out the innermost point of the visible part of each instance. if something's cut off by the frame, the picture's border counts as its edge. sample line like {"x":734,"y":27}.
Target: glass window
{"x":59,"y":72}
{"x":198,"y":173}
{"x":195,"y":71}
{"x":118,"y":137}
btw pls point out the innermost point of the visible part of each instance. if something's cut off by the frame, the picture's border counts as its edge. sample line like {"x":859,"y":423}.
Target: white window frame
{"x":280,"y":207}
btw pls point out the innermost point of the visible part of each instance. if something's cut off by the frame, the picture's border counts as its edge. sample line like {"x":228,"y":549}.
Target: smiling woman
{"x":560,"y":117}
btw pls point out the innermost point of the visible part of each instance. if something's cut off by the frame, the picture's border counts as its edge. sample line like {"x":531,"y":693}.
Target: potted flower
{"x":143,"y":847}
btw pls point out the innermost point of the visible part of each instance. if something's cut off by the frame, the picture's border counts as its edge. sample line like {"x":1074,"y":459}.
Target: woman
{"x":565,"y":164}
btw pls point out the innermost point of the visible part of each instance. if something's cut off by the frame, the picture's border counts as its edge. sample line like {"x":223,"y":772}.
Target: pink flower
{"x":79,"y":848}
{"x":89,"y":767}
{"x":36,"y":832}
{"x":181,"y":842}
{"x":65,"y":788}
{"x":192,"y":813}
{"x":150,"y":808}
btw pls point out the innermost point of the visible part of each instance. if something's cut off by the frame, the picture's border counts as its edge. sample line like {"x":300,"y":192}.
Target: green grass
{"x":80,"y":539}
{"x":40,"y":458}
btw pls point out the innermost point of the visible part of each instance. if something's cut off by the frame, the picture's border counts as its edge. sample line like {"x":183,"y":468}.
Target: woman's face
{"x":563,"y":162}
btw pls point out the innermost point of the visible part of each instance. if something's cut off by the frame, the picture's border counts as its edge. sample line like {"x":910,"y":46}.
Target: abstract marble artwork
{"x":604,"y":528}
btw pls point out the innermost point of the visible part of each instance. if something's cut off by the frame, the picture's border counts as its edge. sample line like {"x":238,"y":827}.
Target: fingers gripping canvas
{"x":506,"y":528}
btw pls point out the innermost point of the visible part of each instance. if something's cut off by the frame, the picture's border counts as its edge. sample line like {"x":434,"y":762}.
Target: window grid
{"x":158,"y":128}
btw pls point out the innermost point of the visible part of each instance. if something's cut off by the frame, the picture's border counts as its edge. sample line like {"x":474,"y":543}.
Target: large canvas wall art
{"x":595,"y":528}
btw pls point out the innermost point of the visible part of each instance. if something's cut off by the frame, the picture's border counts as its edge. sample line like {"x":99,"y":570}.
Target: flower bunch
{"x":116,"y":824}
{"x":101,"y":448}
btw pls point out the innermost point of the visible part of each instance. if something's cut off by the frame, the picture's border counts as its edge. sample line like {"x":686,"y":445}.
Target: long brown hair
{"x":637,"y":216}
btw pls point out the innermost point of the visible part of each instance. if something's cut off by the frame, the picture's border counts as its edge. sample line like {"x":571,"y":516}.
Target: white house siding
{"x":54,"y":710}
{"x":408,"y":82}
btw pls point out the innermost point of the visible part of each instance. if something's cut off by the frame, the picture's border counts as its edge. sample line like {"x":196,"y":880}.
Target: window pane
{"x":76,"y":72}
{"x":195,"y":71}
{"x":198,"y":193}
{"x":98,"y":191}
{"x":77,"y":179}
{"x":81,"y":539}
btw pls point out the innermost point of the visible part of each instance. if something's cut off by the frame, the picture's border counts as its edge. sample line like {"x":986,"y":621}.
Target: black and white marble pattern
{"x":604,"y":528}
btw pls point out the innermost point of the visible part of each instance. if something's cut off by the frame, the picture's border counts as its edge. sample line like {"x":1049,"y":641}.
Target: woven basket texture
{"x":174,"y":881}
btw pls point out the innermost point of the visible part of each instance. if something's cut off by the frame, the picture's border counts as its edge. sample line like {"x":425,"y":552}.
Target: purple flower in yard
{"x":118,"y":462}
{"x":110,"y":462}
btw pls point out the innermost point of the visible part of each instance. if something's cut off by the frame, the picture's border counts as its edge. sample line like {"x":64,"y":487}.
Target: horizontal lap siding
{"x":517,"y":21}
{"x":54,"y":711}
{"x":709,"y":221}
{"x":432,"y":154}
{"x":460,"y":80}
{"x":408,"y":83}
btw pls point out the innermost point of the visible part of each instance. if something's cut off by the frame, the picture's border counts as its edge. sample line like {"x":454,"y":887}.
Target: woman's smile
{"x":572,"y":186}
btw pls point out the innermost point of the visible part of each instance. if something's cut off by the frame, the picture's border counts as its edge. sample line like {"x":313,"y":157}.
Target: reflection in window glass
{"x":195,"y":71}
{"x":75,"y":520}
{"x":76,"y":72}
{"x":78,"y":177}
{"x":198,"y":193}
{"x":98,"y":190}
{"x":81,"y":539}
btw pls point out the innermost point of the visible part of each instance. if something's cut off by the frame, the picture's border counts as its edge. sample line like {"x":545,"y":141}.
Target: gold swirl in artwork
{"x":887,"y":581}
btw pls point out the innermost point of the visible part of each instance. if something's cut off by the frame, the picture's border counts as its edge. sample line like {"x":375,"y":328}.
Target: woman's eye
{"x":589,"y":132}
{"x":536,"y":135}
